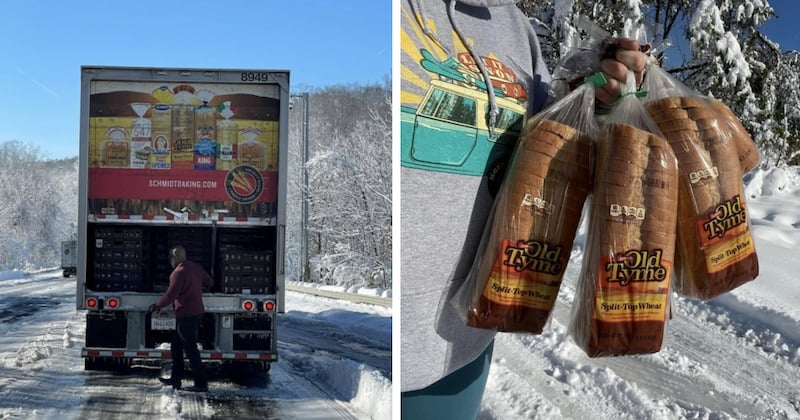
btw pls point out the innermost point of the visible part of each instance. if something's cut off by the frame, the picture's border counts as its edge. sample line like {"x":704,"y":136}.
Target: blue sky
{"x":784,"y":29}
{"x":780,"y":29}
{"x":43,"y":44}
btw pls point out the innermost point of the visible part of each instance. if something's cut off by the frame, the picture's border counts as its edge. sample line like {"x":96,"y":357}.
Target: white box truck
{"x":192,"y":157}
{"x":69,"y":257}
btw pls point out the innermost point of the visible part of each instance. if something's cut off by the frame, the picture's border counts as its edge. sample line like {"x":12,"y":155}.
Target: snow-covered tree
{"x":39,"y":206}
{"x":350,"y":184}
{"x":714,"y":46}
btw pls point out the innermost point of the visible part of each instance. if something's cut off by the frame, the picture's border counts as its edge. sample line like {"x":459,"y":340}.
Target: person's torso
{"x":189,"y":301}
{"x":452,"y":162}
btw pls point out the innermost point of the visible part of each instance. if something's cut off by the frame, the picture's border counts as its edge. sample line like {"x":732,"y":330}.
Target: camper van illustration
{"x":449,"y":130}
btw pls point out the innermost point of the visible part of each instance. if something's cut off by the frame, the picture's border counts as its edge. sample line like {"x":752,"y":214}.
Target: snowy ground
{"x":734,"y":357}
{"x":335,"y":362}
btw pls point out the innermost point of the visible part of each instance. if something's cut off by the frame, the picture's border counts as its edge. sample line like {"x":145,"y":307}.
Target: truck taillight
{"x":248,"y":305}
{"x":269,"y":306}
{"x":112,"y":303}
{"x":91,"y":303}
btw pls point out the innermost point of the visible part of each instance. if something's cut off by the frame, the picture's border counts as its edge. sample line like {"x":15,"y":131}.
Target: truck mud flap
{"x":107,"y":330}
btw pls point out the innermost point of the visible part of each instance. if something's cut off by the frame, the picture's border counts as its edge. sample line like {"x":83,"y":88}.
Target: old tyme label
{"x":534,"y":256}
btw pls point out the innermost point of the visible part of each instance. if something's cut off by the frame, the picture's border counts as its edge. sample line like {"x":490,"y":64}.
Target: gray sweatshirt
{"x":471,"y":72}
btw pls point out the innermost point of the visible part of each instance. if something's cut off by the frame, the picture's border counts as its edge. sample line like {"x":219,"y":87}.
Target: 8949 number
{"x":254,"y":77}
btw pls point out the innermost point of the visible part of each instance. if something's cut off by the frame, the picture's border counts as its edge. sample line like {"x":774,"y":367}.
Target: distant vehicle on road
{"x":69,"y":257}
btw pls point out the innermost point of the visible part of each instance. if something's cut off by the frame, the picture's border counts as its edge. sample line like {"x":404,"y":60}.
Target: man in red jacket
{"x":185,"y":293}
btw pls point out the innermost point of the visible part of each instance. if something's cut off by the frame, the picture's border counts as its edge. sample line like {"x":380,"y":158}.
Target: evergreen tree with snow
{"x":714,"y":46}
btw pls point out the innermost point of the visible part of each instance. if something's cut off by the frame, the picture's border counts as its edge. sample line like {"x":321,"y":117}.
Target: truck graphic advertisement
{"x":201,"y":146}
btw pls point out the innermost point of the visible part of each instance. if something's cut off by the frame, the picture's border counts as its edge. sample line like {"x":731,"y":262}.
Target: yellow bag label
{"x":725,"y":254}
{"x":633,"y":286}
{"x":526,"y":273}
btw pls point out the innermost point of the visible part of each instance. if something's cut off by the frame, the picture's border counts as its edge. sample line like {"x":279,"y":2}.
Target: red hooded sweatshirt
{"x":185,"y":290}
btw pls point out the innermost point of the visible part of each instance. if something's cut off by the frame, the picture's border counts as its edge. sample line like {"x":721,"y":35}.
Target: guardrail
{"x":353,"y":297}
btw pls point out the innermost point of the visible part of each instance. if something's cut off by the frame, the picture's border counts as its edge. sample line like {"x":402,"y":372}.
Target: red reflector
{"x":93,"y":353}
{"x":248,"y":305}
{"x":269,"y":305}
{"x":240,"y":356}
{"x":113,"y":302}
{"x":91,"y":303}
{"x":117,"y":353}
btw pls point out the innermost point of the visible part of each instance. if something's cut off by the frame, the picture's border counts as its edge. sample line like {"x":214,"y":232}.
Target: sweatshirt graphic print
{"x":445,"y":108}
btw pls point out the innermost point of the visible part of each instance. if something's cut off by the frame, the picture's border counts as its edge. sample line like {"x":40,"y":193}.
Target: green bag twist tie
{"x":598,"y":79}
{"x":638,"y":94}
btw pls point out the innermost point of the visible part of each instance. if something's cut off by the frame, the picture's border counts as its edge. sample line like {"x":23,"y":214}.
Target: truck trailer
{"x":69,"y":257}
{"x":192,"y":157}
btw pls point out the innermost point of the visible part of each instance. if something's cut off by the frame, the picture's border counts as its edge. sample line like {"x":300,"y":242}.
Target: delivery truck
{"x":191,"y":157}
{"x":69,"y":257}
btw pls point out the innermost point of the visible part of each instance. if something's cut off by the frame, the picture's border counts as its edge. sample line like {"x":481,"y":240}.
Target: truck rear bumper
{"x":167,"y":355}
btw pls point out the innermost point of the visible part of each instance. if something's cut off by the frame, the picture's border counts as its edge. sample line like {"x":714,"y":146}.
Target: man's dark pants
{"x":184,"y":340}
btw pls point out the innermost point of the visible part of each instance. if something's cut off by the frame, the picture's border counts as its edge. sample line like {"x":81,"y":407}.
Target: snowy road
{"x":327,"y":368}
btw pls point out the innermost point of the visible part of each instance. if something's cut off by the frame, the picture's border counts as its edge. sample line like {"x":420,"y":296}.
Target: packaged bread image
{"x":115,"y":152}
{"x":623,"y":294}
{"x":526,"y":246}
{"x":716,"y":252}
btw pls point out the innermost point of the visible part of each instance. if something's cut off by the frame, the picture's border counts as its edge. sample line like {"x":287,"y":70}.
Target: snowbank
{"x":12,"y":275}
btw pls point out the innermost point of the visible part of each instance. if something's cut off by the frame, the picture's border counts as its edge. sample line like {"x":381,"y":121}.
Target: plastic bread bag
{"x":746,"y":149}
{"x":622,"y":302}
{"x":579,"y":56}
{"x":525,"y":248}
{"x":716,"y":252}
{"x":665,"y":91}
{"x":585,"y":45}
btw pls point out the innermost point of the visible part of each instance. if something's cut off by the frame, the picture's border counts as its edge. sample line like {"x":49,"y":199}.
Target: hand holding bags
{"x":667,"y":209}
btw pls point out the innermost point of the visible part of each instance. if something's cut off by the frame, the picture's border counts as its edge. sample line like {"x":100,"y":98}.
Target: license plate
{"x":162,"y":323}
